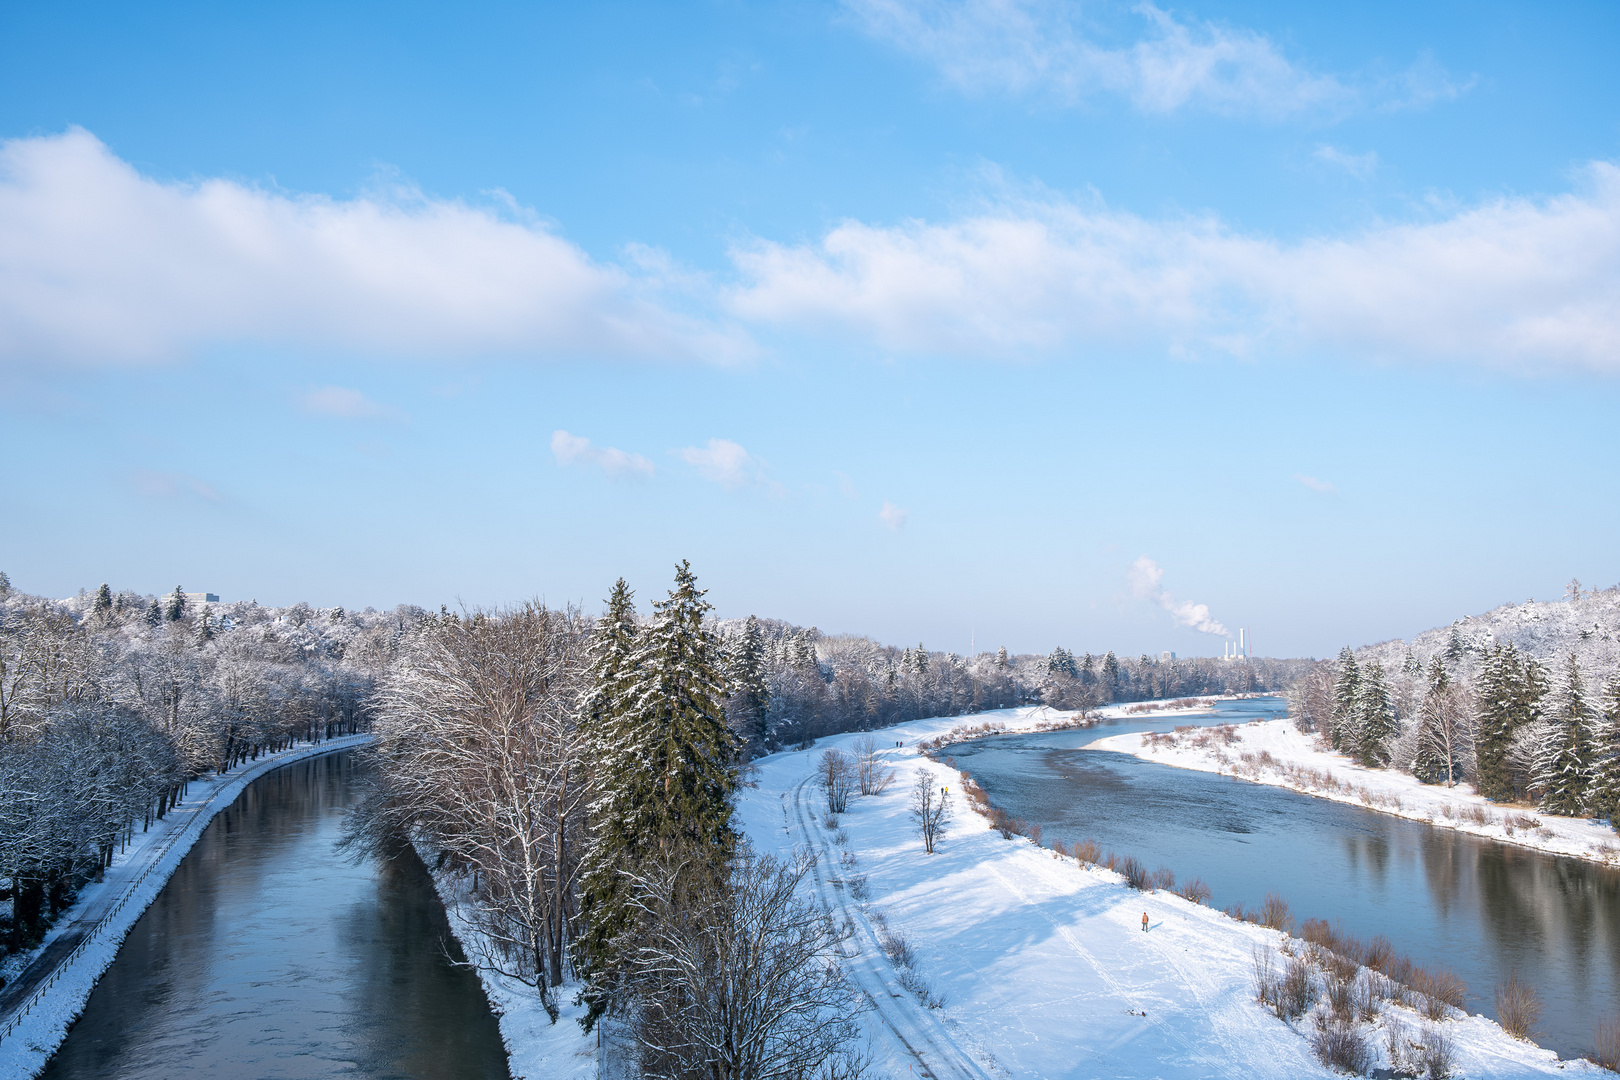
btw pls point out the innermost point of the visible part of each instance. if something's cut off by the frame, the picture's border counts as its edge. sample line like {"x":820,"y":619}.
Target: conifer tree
{"x":1564,"y":768}
{"x":623,"y":816}
{"x":1604,"y":799}
{"x":1494,"y":723}
{"x":1342,"y":731}
{"x":750,"y":696}
{"x":104,"y":602}
{"x":1001,"y":658}
{"x":1375,"y":720}
{"x":1110,"y":673}
{"x":154,"y":613}
{"x":176,"y":609}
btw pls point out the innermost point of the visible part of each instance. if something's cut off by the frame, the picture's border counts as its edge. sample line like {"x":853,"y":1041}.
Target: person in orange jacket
{"x":1144,"y":922}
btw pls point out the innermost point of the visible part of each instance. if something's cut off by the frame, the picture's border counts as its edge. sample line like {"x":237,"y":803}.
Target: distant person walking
{"x":1144,"y":922}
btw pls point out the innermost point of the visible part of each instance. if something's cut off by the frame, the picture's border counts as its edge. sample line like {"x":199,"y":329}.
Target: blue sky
{"x":1102,"y":325}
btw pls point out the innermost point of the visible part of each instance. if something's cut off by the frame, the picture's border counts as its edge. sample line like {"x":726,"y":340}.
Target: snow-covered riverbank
{"x":1272,"y":752}
{"x":1041,"y":964}
{"x":50,"y":985}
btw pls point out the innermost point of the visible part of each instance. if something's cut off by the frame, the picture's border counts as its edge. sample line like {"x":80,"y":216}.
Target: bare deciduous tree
{"x":930,"y":809}
{"x":735,"y":977}
{"x":874,"y":777}
{"x":836,"y":774}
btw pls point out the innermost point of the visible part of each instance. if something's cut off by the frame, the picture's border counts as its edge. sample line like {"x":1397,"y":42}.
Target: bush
{"x":1087,"y":851}
{"x":859,"y":888}
{"x":1435,"y":1059}
{"x":1295,"y":993}
{"x":1275,"y":914}
{"x":1267,"y":986}
{"x":1162,"y":878}
{"x":1035,"y":834}
{"x":1341,"y":997}
{"x":896,"y":948}
{"x":1442,"y":990}
{"x":1606,"y":1044}
{"x":1339,"y":1045}
{"x":1518,"y":1006}
{"x":1136,"y":875}
{"x":1195,"y":890}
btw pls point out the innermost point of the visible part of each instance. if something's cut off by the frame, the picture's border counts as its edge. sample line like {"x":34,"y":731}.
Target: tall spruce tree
{"x":750,"y":697}
{"x":175,"y":610}
{"x":1342,"y":728}
{"x":1375,"y":720}
{"x":1604,"y":799}
{"x":1495,"y":722}
{"x":624,"y":815}
{"x":154,"y":613}
{"x":1563,"y":772}
{"x":104,"y":601}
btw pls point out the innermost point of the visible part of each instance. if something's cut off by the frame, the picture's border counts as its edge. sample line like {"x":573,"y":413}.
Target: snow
{"x":537,"y":1049}
{"x":109,"y":908}
{"x":1042,"y":964}
{"x":1273,"y":752}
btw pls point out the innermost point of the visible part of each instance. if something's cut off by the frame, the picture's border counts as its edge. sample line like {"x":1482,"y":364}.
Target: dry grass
{"x":1606,"y":1044}
{"x":1340,"y":1046}
{"x":1441,"y":990}
{"x":1087,"y":851}
{"x":1195,"y":890}
{"x":1518,"y":1006}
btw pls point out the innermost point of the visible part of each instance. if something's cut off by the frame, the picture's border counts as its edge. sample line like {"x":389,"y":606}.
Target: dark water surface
{"x":1478,"y":907}
{"x":269,"y":956}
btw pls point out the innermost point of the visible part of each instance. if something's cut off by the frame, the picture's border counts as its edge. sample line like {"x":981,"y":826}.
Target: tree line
{"x":1516,"y":727}
{"x":110,"y":702}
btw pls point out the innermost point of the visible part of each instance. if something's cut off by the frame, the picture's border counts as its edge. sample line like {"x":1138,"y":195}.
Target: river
{"x":1478,"y":907}
{"x":270,"y":956}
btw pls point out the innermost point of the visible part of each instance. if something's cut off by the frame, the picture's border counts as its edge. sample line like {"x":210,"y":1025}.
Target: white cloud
{"x":1361,"y":166}
{"x":1146,"y":576}
{"x":846,"y":486}
{"x":1070,"y":52}
{"x":102,"y":265}
{"x":1514,"y":283}
{"x":342,"y":402}
{"x":893,"y":516}
{"x":618,"y":464}
{"x":726,"y":463}
{"x":1316,"y":485}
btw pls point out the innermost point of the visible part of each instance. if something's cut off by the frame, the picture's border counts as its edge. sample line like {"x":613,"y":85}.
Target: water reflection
{"x":1476,"y":906}
{"x":270,"y":956}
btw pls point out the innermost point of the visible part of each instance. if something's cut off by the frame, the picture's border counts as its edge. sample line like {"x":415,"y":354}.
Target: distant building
{"x":200,"y":598}
{"x":1167,"y":655}
{"x":1241,"y":649}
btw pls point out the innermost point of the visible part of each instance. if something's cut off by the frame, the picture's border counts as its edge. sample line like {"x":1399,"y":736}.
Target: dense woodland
{"x":572,"y":774}
{"x":1478,"y":709}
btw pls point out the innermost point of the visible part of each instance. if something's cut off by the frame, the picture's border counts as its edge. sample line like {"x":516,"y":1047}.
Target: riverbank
{"x":1015,"y":945}
{"x":1273,"y":752}
{"x":52,"y":983}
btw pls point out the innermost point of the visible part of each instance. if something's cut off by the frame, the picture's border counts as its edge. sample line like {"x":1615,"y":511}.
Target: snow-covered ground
{"x":536,"y":1048}
{"x":106,"y":910}
{"x":1041,"y":964}
{"x":1272,"y":752}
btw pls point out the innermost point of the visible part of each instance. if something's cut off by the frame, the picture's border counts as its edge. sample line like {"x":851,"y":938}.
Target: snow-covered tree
{"x":1375,"y":720}
{"x":175,"y":609}
{"x":1604,"y":799}
{"x":1343,"y":731}
{"x":1443,"y":732}
{"x":1564,"y":763}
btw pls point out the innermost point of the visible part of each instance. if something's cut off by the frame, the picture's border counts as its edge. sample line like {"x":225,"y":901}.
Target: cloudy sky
{"x":1099,"y":324}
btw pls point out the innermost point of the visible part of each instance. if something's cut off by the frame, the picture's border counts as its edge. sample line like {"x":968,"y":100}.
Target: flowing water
{"x":270,"y":956}
{"x":1449,"y":900}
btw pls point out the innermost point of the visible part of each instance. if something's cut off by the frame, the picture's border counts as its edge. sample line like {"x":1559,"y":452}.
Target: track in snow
{"x":917,"y":1029}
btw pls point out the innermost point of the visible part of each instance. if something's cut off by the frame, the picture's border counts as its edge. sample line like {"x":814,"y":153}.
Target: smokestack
{"x":1243,"y":648}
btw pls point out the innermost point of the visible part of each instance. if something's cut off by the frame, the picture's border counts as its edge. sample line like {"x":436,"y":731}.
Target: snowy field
{"x":1041,"y":964}
{"x":106,"y":910}
{"x":1272,"y":752}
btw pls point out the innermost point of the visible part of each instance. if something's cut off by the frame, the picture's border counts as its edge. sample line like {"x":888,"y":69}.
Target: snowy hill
{"x":1588,"y":626}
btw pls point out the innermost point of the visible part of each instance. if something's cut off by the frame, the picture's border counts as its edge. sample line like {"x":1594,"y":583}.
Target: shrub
{"x":1087,"y":851}
{"x":1606,"y":1044}
{"x":896,"y":948}
{"x":840,"y":837}
{"x":859,"y":888}
{"x":1294,"y":994}
{"x":1518,"y":1006}
{"x":1341,"y":998}
{"x":1035,"y":834}
{"x":1162,"y":878}
{"x":1275,"y":914}
{"x":1267,"y":986}
{"x":1136,"y":875}
{"x":1435,"y":1058}
{"x":1441,"y":990}
{"x":1339,"y":1045}
{"x":1195,"y":890}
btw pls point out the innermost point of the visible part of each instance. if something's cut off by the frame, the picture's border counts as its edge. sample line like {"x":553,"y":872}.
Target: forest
{"x":572,"y":773}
